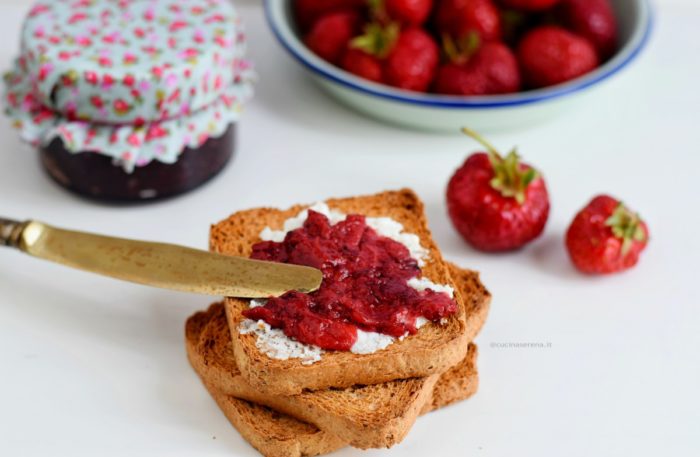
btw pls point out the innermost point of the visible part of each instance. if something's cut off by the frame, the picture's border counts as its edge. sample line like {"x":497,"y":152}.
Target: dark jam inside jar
{"x":94,"y":175}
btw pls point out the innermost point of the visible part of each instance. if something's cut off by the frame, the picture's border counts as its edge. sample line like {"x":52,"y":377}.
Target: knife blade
{"x":160,"y":265}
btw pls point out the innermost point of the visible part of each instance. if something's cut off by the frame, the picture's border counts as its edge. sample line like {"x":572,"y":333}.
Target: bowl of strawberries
{"x":442,"y":64}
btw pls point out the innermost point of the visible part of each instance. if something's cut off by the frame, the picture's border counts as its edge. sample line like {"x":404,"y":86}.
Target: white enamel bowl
{"x":450,"y":113}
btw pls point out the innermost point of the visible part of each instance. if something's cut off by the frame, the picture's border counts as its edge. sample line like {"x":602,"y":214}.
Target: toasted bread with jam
{"x":433,"y":350}
{"x":372,"y":416}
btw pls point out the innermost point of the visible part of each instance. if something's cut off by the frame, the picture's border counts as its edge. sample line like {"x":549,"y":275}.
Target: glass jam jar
{"x":130,"y":99}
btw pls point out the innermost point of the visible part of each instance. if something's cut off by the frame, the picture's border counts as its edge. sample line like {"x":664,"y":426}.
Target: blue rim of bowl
{"x":327,"y":70}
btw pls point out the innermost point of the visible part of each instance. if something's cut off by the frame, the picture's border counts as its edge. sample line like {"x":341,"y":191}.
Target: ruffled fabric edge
{"x":130,"y":146}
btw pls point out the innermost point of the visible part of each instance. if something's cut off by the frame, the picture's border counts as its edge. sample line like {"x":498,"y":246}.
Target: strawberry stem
{"x":626,"y":226}
{"x":481,"y":140}
{"x":377,"y":11}
{"x":377,"y":39}
{"x":375,"y":5}
{"x":510,"y":177}
{"x":460,"y":51}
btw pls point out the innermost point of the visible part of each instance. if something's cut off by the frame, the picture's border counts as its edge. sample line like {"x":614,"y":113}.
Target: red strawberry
{"x":460,"y":17}
{"x":308,"y":11}
{"x":493,"y":69}
{"x":330,"y":35}
{"x":409,"y":12}
{"x":594,"y":20}
{"x":412,"y":63}
{"x":496,"y":203}
{"x":606,"y":237}
{"x":406,"y":59}
{"x":550,"y":55}
{"x":362,"y":64}
{"x":530,"y":5}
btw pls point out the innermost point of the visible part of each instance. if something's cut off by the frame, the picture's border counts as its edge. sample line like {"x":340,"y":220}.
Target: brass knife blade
{"x":162,"y":265}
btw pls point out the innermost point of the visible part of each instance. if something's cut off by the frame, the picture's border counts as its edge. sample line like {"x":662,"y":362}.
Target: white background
{"x":95,"y":367}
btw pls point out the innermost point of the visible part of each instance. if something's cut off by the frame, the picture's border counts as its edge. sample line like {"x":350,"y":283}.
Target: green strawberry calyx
{"x":461,"y":50}
{"x":376,"y":7}
{"x":378,"y":40}
{"x":626,"y":226}
{"x":510,"y":177}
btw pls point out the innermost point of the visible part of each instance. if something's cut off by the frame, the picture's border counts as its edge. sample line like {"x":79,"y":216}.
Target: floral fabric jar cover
{"x":137,"y":80}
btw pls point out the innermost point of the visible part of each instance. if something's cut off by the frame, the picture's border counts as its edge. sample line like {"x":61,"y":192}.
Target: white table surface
{"x":96,"y":367}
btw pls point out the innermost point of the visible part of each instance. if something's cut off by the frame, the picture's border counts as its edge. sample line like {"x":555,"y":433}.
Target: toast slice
{"x":275,"y":434}
{"x":433,"y":350}
{"x":372,"y":416}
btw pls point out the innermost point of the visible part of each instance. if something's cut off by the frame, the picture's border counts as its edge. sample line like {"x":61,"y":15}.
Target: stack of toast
{"x":288,"y":408}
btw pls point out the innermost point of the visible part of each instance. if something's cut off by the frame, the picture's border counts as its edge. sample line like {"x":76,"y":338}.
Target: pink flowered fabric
{"x":138,"y":80}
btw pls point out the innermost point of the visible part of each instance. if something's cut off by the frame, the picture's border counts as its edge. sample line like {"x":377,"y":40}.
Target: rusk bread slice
{"x":433,"y":350}
{"x":372,"y":416}
{"x":275,"y":434}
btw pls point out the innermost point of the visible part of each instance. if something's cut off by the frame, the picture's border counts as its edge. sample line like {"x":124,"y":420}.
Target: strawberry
{"x":330,"y":35}
{"x":458,"y":18}
{"x":550,"y":55}
{"x":592,"y":19}
{"x":492,"y":69}
{"x":363,"y":65}
{"x":409,"y":12}
{"x":496,"y":203}
{"x":412,"y":63}
{"x":405,"y":59}
{"x":530,"y":5}
{"x":308,"y":11}
{"x":606,"y":237}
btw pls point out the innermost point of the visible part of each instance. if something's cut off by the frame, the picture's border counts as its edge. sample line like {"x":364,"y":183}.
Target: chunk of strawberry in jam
{"x":297,"y":320}
{"x":364,"y":285}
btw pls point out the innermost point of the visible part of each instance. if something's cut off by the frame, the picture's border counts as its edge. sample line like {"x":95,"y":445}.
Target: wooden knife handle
{"x":10,"y":232}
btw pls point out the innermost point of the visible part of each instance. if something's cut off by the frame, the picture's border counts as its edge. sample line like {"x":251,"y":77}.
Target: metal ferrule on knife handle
{"x":11,"y":232}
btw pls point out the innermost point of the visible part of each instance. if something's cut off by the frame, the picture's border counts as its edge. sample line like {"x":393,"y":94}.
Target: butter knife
{"x":166,"y":266}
